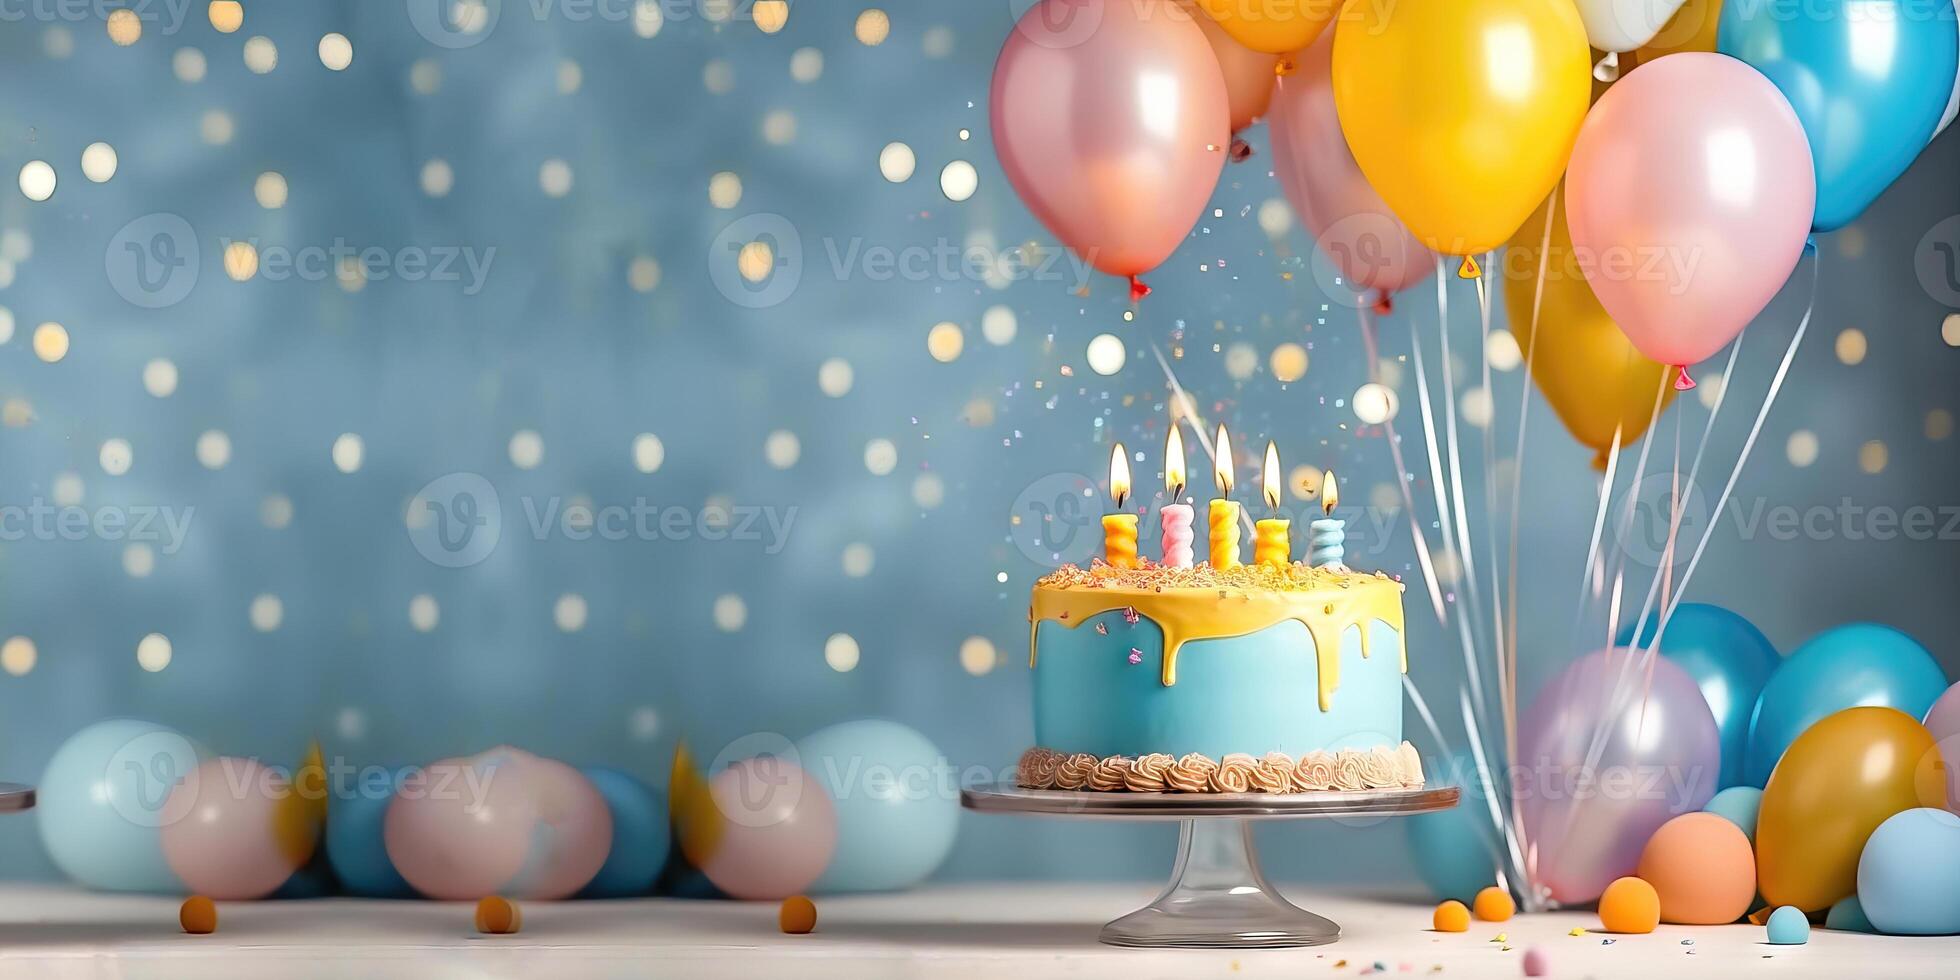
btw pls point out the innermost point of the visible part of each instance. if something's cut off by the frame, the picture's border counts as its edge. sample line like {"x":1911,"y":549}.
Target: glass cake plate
{"x":1217,"y":897}
{"x":15,"y":797}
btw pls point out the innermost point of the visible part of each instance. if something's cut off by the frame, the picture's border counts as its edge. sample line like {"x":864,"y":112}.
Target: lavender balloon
{"x":1944,"y":722}
{"x":1659,"y":755}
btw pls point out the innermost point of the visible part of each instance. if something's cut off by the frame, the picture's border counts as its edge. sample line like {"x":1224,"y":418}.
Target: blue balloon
{"x":1788,"y":927}
{"x":1738,"y":805}
{"x":640,"y":835}
{"x":101,"y":804}
{"x":1869,"y":80}
{"x":356,"y":847}
{"x":1909,"y":874}
{"x":1452,"y":851}
{"x":1862,"y":664}
{"x":898,"y":803}
{"x":1730,"y":660}
{"x":1848,"y":916}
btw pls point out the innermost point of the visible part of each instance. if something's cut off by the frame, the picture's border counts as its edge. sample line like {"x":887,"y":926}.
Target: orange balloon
{"x":1702,"y":868}
{"x":1451,"y":916}
{"x":1835,"y":784}
{"x":1494,"y":905}
{"x":1272,"y":26}
{"x":1630,"y":905}
{"x":1249,"y":74}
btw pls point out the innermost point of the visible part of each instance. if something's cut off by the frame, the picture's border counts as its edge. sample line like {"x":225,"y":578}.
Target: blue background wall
{"x":572,"y":341}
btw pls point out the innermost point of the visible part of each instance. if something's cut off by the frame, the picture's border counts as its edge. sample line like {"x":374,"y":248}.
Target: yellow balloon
{"x":1272,"y":26}
{"x":1462,"y":115}
{"x":1835,"y":784}
{"x":697,"y":820}
{"x":1585,"y":367}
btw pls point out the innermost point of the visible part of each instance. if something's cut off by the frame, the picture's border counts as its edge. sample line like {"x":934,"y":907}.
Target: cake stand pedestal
{"x":15,"y":797}
{"x":1217,"y":898}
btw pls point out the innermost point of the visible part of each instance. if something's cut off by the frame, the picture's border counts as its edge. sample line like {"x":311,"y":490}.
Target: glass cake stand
{"x":1217,"y":898}
{"x":15,"y":797}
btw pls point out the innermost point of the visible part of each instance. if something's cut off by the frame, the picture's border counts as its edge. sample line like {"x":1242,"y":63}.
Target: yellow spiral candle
{"x":1224,"y":518}
{"x":1119,"y":530}
{"x":1272,"y":542}
{"x":1120,"y":540}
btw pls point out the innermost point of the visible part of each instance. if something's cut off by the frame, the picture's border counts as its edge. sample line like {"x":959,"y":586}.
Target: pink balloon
{"x":1944,"y":722}
{"x":779,"y":829}
{"x":242,"y":834}
{"x":1352,"y":225}
{"x":1690,"y":194}
{"x":573,"y":833}
{"x":1111,"y":119}
{"x":1660,"y":756}
{"x":1248,"y":74}
{"x":461,"y":829}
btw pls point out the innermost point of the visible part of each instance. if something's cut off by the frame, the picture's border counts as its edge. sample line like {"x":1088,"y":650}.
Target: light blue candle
{"x":1327,"y":537}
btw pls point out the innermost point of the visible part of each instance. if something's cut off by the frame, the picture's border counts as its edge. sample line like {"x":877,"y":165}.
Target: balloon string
{"x":1749,"y":444}
{"x":1466,"y":550}
{"x":1442,"y":488}
{"x":1402,"y":472}
{"x":1421,"y":705}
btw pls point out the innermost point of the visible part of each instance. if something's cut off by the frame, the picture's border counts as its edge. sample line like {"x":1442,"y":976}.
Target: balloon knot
{"x":1469,"y":269}
{"x":1138,"y":289}
{"x":1285,"y":66}
{"x":1810,"y":244}
{"x":1682,"y":382}
{"x":1240,"y":152}
{"x":1383,"y":304}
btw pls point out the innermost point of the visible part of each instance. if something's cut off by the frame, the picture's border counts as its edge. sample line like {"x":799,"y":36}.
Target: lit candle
{"x":1176,"y":517}
{"x":1273,"y":540}
{"x":1224,"y":516}
{"x":1119,"y":529}
{"x":1327,"y":547}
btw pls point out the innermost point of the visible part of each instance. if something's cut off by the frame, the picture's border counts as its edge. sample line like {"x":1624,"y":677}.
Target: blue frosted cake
{"x":1278,"y":678}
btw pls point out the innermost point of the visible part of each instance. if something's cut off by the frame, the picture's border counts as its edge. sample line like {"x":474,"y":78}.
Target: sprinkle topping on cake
{"x":1149,"y":576}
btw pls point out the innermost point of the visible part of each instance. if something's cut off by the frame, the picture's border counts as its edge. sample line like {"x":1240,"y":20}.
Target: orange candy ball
{"x":198,"y":915}
{"x":797,"y":916}
{"x":1630,"y":905}
{"x":497,"y":916}
{"x":1703,"y":869}
{"x":1494,"y":904}
{"x":1451,"y":916}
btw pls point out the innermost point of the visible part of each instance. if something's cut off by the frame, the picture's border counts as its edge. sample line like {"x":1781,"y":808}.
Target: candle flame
{"x":1174,"y":463}
{"x":1221,"y":463}
{"x":1330,"y":494}
{"x":1119,"y":475}
{"x":1269,"y":479}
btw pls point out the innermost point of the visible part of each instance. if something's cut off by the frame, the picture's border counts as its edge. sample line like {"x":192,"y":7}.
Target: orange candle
{"x":1273,"y":538}
{"x":1223,"y":518}
{"x":1119,"y":530}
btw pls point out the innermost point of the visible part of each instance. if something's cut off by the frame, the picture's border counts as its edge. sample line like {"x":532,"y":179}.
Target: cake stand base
{"x":1217,"y":897}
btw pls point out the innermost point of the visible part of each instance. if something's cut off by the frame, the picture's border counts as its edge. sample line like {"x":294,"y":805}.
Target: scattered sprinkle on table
{"x":1576,"y":931}
{"x":798,"y":917}
{"x":198,"y":916}
{"x":498,"y":916}
{"x":1451,"y":916}
{"x":1494,"y":904}
{"x":1500,"y":937}
{"x":1534,"y":963}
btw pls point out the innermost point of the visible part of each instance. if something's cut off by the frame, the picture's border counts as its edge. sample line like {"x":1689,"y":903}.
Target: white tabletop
{"x":981,"y":931}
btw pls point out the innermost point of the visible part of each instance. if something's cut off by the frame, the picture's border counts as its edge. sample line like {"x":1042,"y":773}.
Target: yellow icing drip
{"x":1325,"y":602}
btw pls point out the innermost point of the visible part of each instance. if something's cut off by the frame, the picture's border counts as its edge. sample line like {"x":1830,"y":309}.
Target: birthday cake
{"x":1276,"y":677}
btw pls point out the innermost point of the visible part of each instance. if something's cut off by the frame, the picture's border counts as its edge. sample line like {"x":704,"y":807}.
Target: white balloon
{"x":1623,"y":25}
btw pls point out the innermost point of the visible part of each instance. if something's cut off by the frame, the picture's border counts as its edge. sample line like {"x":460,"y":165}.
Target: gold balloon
{"x":1835,"y":784}
{"x":1586,"y":368}
{"x":1462,"y":115}
{"x":1272,"y":26}
{"x":697,"y":820}
{"x":1692,"y":28}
